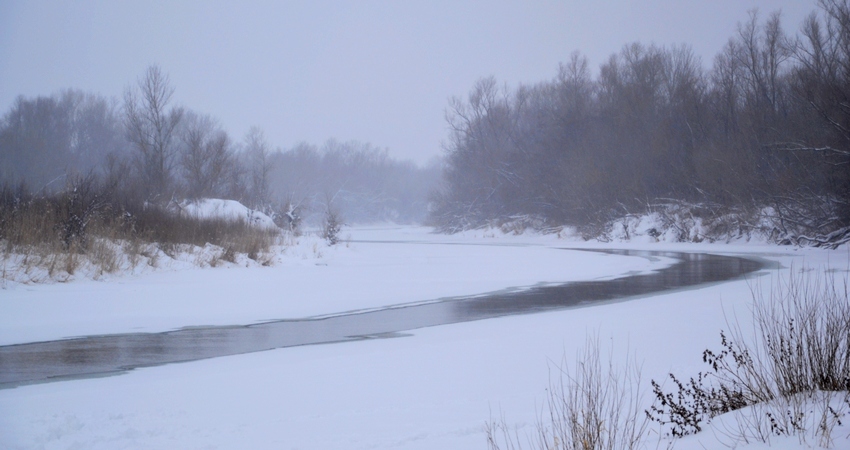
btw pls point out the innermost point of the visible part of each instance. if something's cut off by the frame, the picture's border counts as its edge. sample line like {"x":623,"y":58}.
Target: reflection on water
{"x":101,"y":355}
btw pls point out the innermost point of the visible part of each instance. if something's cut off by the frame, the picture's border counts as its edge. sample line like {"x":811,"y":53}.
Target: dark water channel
{"x":109,"y":354}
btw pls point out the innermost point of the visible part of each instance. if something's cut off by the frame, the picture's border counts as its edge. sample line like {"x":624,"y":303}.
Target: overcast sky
{"x":374,"y":71}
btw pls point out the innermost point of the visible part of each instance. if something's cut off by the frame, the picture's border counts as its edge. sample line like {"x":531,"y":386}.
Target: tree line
{"x":762,"y":135}
{"x":148,"y":149}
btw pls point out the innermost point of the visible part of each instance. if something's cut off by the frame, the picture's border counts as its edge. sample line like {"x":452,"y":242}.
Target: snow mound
{"x":215,"y":208}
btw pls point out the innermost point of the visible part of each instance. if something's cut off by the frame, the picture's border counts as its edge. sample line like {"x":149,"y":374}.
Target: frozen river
{"x":116,"y":353}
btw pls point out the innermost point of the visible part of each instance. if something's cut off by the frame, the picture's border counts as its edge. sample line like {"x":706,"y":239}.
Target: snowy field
{"x":434,"y":389}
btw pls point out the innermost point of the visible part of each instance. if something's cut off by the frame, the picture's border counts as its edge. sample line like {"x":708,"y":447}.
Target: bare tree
{"x":44,"y":139}
{"x":35,"y":142}
{"x":822,"y":81}
{"x":259,"y":164}
{"x":574,"y":82}
{"x":151,"y":127}
{"x":206,"y":156}
{"x":823,"y":74}
{"x":726,"y":78}
{"x":762,"y":52}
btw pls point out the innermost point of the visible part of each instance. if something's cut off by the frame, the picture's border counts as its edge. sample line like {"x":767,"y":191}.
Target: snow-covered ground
{"x":308,"y":279}
{"x":228,"y":209}
{"x":433,"y":389}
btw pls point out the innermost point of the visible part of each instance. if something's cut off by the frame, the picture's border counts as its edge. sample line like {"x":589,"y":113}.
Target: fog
{"x":378,"y":72}
{"x":459,"y":116}
{"x":379,"y":163}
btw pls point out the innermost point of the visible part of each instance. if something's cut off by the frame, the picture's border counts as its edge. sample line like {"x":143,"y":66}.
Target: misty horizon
{"x":374,"y":73}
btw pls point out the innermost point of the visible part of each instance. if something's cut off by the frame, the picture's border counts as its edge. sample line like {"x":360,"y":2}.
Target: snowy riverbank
{"x":307,"y":279}
{"x":434,"y":389}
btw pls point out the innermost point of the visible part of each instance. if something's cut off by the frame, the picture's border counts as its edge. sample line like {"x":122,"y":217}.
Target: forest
{"x":146,"y":149}
{"x":757,"y":143}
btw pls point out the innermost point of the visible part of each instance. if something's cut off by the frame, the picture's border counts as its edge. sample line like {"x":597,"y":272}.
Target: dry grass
{"x":590,"y":406}
{"x":791,"y":377}
{"x":86,"y":227}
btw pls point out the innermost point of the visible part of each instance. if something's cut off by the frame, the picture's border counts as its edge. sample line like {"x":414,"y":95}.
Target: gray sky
{"x":374,"y":71}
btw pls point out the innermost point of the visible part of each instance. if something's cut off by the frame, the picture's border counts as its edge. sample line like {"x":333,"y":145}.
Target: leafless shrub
{"x":592,"y":406}
{"x":132,"y":249}
{"x":104,"y":255}
{"x":804,"y":322}
{"x":228,"y":254}
{"x":794,"y":373}
{"x":517,"y":224}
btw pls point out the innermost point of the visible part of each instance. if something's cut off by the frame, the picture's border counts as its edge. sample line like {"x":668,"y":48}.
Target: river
{"x":93,"y":356}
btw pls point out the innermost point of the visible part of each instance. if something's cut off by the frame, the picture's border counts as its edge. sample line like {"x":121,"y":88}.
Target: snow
{"x":308,"y":279}
{"x":435,"y":388}
{"x":206,"y":208}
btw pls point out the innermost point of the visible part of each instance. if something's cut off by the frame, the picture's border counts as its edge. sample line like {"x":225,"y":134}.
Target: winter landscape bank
{"x":431,"y":388}
{"x":137,"y":221}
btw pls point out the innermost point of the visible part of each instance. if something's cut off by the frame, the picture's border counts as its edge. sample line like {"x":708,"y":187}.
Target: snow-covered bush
{"x":794,"y":376}
{"x":214,"y":208}
{"x":675,"y":221}
{"x":331,"y":226}
{"x":520,"y":223}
